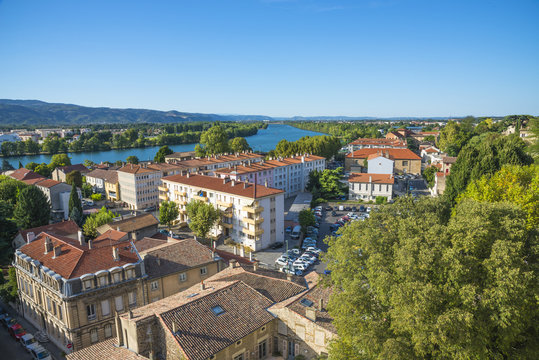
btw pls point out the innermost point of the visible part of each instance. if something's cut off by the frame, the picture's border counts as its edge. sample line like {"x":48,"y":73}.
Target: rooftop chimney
{"x":80,"y":237}
{"x":321,"y":305}
{"x":289,"y":277}
{"x":266,"y":183}
{"x":90,"y":244}
{"x":115,"y":253}
{"x":57,"y":251}
{"x":174,"y":327}
{"x":232,"y":183}
{"x":232,"y":263}
{"x":188,"y":174}
{"x":30,"y":236}
{"x":310,"y":313}
{"x":202,"y":285}
{"x":48,"y":244}
{"x":255,"y":266}
{"x":370,"y":179}
{"x":245,"y":185}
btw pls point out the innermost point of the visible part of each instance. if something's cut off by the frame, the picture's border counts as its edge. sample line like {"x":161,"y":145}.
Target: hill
{"x":39,"y":113}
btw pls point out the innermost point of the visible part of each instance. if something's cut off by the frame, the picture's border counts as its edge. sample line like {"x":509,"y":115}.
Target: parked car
{"x":39,"y":353}
{"x":341,"y":208}
{"x":90,"y":202}
{"x":282,"y":261}
{"x":293,"y":252}
{"x":333,"y":213}
{"x":348,"y":208}
{"x":277,"y":245}
{"x":149,"y":209}
{"x":288,"y":229}
{"x":28,"y":341}
{"x":354,"y":209}
{"x":7,"y":321}
{"x":362,"y":208}
{"x":329,"y":208}
{"x":300,"y":265}
{"x":369,"y":209}
{"x":16,"y":331}
{"x":296,"y":232}
{"x":314,"y":250}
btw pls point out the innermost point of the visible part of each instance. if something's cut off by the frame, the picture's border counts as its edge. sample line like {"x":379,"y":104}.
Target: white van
{"x":341,"y":207}
{"x":296,"y":232}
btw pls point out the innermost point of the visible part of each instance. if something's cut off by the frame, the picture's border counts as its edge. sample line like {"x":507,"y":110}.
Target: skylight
{"x":306,"y":302}
{"x":217,"y":310}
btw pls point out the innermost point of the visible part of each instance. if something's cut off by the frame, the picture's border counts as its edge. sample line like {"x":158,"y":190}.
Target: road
{"x":10,"y":348}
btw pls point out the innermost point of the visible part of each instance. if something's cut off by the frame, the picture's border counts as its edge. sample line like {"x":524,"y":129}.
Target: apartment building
{"x":405,"y":160}
{"x":98,"y":177}
{"x":366,"y":143}
{"x":288,"y":174}
{"x":242,"y":312}
{"x":363,"y":186}
{"x":252,"y":214}
{"x":179,"y":156}
{"x":58,"y":195}
{"x":138,"y":186}
{"x":59,"y":174}
{"x":71,"y":288}
{"x":208,"y":165}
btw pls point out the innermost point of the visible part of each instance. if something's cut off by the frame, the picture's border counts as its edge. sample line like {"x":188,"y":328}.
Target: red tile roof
{"x":374,"y":178}
{"x":135,"y":169}
{"x":399,"y":154}
{"x":217,"y":184}
{"x":74,"y":259}
{"x":48,"y":183}
{"x":25,"y":174}
{"x":227,"y":256}
{"x":105,"y":350}
{"x":266,"y":165}
{"x":449,"y":159}
{"x":113,"y":235}
{"x":315,"y":295}
{"x":367,"y":141}
{"x":63,"y":228}
{"x":69,"y":168}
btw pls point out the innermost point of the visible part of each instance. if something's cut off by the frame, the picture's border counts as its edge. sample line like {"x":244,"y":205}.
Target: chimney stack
{"x":119,"y":332}
{"x":30,"y":237}
{"x":130,"y":314}
{"x":57,"y":251}
{"x":80,"y":237}
{"x":289,"y":277}
{"x":202,"y":285}
{"x":232,"y":263}
{"x":90,"y":244}
{"x":48,"y":244}
{"x":255,"y":266}
{"x":232,"y":183}
{"x":310,"y":313}
{"x":174,"y":327}
{"x":188,"y":174}
{"x":158,"y":260}
{"x":115,"y":253}
{"x":321,"y":305}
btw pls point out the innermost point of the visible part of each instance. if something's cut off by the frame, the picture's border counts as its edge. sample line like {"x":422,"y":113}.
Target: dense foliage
{"x":32,"y":209}
{"x":168,"y":212}
{"x":415,"y":282}
{"x":161,"y":153}
{"x":102,"y":217}
{"x":484,"y":155}
{"x":306,"y":218}
{"x":74,"y":178}
{"x":326,"y":146}
{"x":326,"y":184}
{"x":202,"y":217}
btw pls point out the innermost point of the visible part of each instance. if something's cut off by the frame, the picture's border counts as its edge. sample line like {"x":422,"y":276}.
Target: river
{"x":264,"y":140}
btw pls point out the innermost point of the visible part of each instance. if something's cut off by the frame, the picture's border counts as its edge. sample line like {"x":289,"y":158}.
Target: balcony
{"x":253,"y":232}
{"x":163,"y":197}
{"x":180,"y":202}
{"x":200,"y":198}
{"x":226,"y":225}
{"x":224,"y":204}
{"x":254,"y":221}
{"x":180,"y":193}
{"x":253,"y":210}
{"x":163,"y":188}
{"x":227,"y":214}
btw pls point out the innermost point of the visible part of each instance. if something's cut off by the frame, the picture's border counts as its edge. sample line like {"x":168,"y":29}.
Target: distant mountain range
{"x":40,"y":113}
{"x":35,"y":112}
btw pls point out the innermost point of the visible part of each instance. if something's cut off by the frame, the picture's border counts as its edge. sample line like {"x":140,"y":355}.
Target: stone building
{"x":71,"y":288}
{"x":59,"y":174}
{"x":405,"y":160}
{"x":137,"y":227}
{"x":368,"y":186}
{"x":64,"y":228}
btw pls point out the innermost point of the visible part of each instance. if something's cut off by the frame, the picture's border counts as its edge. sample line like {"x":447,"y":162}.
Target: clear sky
{"x":276,"y":57}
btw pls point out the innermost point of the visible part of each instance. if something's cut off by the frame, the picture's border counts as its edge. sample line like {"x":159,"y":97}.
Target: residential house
{"x":97,"y":178}
{"x":137,"y":227}
{"x":179,"y":156}
{"x":380,"y":163}
{"x":252,"y":214}
{"x":405,"y":160}
{"x":64,"y":228}
{"x":368,"y":186}
{"x":29,"y":136}
{"x":71,"y":289}
{"x":367,"y":143}
{"x":112,"y":186}
{"x":59,"y":174}
{"x":27,"y":176}
{"x":58,"y":195}
{"x":208,"y":165}
{"x":431,"y":154}
{"x":441,"y":176}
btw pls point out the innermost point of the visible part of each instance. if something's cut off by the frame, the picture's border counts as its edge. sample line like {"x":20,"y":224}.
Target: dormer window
{"x":103,"y":281}
{"x":88,"y":284}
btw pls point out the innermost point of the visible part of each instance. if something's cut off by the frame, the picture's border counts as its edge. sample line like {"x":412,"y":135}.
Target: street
{"x":10,"y":348}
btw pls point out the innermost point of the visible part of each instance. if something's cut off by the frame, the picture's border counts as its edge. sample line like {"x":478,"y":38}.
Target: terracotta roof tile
{"x":130,"y":224}
{"x":105,"y":350}
{"x":368,"y":141}
{"x":265,"y":165}
{"x":69,"y":168}
{"x":48,"y":183}
{"x":110,"y":176}
{"x":374,"y":178}
{"x":449,"y":159}
{"x":314,"y":295}
{"x":25,"y":174}
{"x":218,"y":184}
{"x":399,"y":154}
{"x":135,"y":169}
{"x":63,"y":228}
{"x":149,"y":243}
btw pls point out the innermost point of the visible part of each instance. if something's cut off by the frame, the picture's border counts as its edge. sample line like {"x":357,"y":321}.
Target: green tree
{"x":6,"y":165}
{"x":9,"y":290}
{"x":330,"y":184}
{"x":214,"y":140}
{"x":484,"y":155}
{"x":31,"y":166}
{"x":518,"y":185}
{"x":43,"y":170}
{"x":202,"y":217}
{"x":168,"y":212}
{"x":306,"y":218}
{"x":452,"y":138}
{"x":32,"y":209}
{"x":74,"y":177}
{"x":87,"y":190}
{"x":59,"y":160}
{"x":88,"y":163}
{"x":132,"y":159}
{"x":160,"y":156}
{"x":10,"y":189}
{"x":8,"y":229}
{"x":74,"y":202}
{"x":238,"y":145}
{"x":415,"y":282}
{"x":381,"y":200}
{"x":102,"y":217}
{"x":429,"y":173}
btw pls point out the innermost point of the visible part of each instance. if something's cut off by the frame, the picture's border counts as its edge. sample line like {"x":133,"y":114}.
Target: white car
{"x":314,"y":250}
{"x":282,"y":261}
{"x":300,"y":265}
{"x":294,"y":251}
{"x":28,"y":341}
{"x":40,"y":353}
{"x":369,"y":209}
{"x":308,"y":259}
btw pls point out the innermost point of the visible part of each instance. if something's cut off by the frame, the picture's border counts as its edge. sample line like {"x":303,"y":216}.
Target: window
{"x":130,"y":273}
{"x":203,"y":271}
{"x":103,"y":280}
{"x":105,"y":308}
{"x":108,"y":331}
{"x":60,"y":316}
{"x":119,"y":302}
{"x":132,"y":298}
{"x":48,"y":304}
{"x":404,"y":163}
{"x":117,"y":277}
{"x":238,"y":343}
{"x":217,"y":310}
{"x":90,"y":311}
{"x":87,"y":284}
{"x":93,"y":336}
{"x":239,"y":357}
{"x":262,"y":349}
{"x":183,"y":277}
{"x":154,"y":285}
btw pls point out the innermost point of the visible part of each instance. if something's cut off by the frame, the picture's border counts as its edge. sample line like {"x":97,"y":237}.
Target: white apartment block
{"x":208,"y":165}
{"x":288,"y":174}
{"x":252,"y":215}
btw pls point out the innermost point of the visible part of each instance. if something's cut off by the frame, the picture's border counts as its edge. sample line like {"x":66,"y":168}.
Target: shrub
{"x":95,"y":197}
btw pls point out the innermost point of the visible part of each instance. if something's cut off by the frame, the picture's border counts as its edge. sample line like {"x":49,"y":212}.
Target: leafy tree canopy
{"x":306,"y":218}
{"x":75,"y":203}
{"x":102,"y":217}
{"x":202,"y":217}
{"x":10,"y":189}
{"x":161,"y":153}
{"x":74,"y":177}
{"x":238,"y":145}
{"x":32,"y":209}
{"x":214,"y":140}
{"x":168,"y":212}
{"x":415,"y":282}
{"x":132,"y":159}
{"x":59,"y":160}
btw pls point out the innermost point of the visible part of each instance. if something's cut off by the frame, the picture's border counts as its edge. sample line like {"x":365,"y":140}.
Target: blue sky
{"x":276,"y":57}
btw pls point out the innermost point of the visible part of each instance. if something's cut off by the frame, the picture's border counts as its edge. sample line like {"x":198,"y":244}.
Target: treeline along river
{"x":264,"y":140}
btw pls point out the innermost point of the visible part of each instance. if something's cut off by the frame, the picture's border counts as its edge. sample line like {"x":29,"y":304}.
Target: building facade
{"x":368,"y":186}
{"x":138,"y":186}
{"x":252,"y":215}
{"x":405,"y":160}
{"x":59,"y":174}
